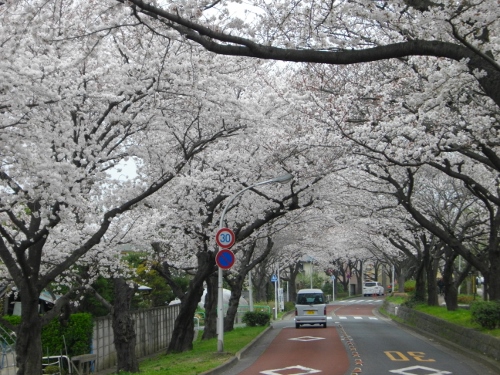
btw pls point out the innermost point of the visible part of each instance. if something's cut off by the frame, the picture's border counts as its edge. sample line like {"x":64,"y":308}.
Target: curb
{"x":222,"y":368}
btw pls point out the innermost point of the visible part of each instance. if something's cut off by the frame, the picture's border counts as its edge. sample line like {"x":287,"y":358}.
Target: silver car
{"x":310,"y":307}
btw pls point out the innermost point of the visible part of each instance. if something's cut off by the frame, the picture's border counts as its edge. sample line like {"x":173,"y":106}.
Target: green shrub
{"x":14,"y":320}
{"x":341,"y":295}
{"x":51,"y":370}
{"x":256,"y":318}
{"x":411,"y":302}
{"x":465,"y":299}
{"x":486,"y":313}
{"x":289,"y":306}
{"x":77,"y":334}
{"x":410,"y":286}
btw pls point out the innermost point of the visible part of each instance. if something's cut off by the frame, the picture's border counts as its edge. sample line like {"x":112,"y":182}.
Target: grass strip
{"x":203,"y":357}
{"x":461,"y":317}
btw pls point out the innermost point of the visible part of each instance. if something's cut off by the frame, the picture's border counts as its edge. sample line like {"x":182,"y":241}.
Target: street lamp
{"x":220,"y":302}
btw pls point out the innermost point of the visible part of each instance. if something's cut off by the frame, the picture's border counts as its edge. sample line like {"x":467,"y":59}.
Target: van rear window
{"x":310,"y":298}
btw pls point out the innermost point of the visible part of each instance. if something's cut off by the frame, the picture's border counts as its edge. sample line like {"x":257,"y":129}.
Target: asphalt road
{"x":356,"y":341}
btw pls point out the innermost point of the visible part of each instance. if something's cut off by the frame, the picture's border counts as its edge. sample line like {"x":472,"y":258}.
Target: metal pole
{"x":279,"y":286}
{"x":311,"y":274}
{"x":393,"y":286}
{"x":333,"y":287}
{"x":275,"y":301}
{"x":287,"y":292}
{"x":250,"y":291}
{"x":459,"y":270}
{"x":220,"y":302}
{"x":220,"y":313}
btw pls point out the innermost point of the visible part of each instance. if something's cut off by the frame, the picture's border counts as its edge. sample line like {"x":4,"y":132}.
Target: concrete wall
{"x":153,"y":328}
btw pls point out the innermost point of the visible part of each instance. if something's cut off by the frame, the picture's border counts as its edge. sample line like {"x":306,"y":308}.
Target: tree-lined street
{"x":127,"y":126}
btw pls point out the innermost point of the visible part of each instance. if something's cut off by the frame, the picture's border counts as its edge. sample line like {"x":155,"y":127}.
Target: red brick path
{"x":294,"y":351}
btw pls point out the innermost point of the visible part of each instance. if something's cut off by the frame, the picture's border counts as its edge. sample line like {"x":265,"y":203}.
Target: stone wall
{"x":464,"y":337}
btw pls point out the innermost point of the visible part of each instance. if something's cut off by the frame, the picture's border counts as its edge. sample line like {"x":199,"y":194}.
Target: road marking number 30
{"x":400,"y":357}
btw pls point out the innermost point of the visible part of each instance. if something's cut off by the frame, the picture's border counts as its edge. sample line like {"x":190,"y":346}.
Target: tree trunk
{"x":294,"y":270}
{"x":123,"y":327}
{"x":451,"y":297}
{"x":431,"y":273}
{"x":401,"y":282}
{"x":360,"y":278}
{"x":234,"y":302}
{"x":450,"y":289}
{"x":183,"y":334}
{"x":432,"y":290}
{"x":343,"y":278}
{"x":493,"y":281}
{"x":29,"y":336}
{"x":260,"y":281}
{"x":420,"y":283}
{"x":211,"y":297}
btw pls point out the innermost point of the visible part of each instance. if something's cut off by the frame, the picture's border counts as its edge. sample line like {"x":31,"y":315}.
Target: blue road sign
{"x":225,"y":259}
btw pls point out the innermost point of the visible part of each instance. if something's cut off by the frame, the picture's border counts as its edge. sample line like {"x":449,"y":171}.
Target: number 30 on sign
{"x":225,"y":238}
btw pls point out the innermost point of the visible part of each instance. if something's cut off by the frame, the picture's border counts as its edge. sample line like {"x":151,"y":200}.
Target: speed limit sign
{"x":225,"y":238}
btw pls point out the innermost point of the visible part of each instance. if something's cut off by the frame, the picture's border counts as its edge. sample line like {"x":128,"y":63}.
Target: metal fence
{"x":7,"y":353}
{"x":153,"y":328}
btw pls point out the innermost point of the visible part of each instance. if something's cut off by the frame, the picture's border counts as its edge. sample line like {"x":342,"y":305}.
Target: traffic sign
{"x":274,"y":278}
{"x":225,"y":238}
{"x":225,"y":259}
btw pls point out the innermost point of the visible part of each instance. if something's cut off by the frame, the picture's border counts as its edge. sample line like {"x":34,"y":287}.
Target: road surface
{"x":357,"y":341}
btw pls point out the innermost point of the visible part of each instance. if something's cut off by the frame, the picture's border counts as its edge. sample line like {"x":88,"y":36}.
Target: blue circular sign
{"x":225,"y":259}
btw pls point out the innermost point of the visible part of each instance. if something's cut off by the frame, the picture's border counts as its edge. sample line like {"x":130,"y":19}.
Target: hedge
{"x":486,"y":313}
{"x":256,"y":318}
{"x":77,"y":334}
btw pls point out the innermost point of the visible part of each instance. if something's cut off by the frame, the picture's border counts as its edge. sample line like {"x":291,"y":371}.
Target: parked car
{"x":310,"y":307}
{"x":372,"y":288}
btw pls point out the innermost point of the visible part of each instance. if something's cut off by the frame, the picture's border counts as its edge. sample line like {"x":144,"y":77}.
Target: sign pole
{"x":220,"y":318}
{"x":275,"y":301}
{"x":250,"y":291}
{"x":220,"y":314}
{"x":275,"y":279}
{"x":333,"y":287}
{"x":225,"y":238}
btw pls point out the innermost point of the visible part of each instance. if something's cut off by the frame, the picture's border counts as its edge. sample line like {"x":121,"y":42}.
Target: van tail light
{"x":296,"y":313}
{"x":325,"y":311}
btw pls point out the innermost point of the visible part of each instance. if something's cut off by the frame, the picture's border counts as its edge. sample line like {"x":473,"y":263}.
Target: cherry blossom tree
{"x":447,"y":73}
{"x":343,"y":32}
{"x":73,"y":112}
{"x":279,"y":139}
{"x":403,"y":115}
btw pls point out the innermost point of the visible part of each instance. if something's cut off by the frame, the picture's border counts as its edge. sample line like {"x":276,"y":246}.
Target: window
{"x":310,"y":298}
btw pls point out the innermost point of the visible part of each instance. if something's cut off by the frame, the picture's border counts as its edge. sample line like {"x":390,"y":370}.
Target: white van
{"x":371,"y":288}
{"x":310,"y":307}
